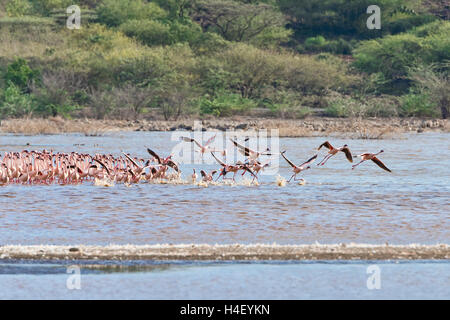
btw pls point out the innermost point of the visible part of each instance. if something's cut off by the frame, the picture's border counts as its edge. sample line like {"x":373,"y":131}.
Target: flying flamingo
{"x":251,"y":154}
{"x":257,"y":167}
{"x":207,"y":177}
{"x":333,"y":151}
{"x":226,"y":168}
{"x":373,"y":157}
{"x":164,"y":161}
{"x":297,"y":169}
{"x":206,"y":147}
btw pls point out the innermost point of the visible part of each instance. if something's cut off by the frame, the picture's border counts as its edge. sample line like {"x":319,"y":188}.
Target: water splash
{"x":280,"y":181}
{"x":105,"y":182}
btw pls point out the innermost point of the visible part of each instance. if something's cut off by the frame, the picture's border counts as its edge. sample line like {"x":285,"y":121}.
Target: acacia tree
{"x":335,"y":17}
{"x":236,"y":21}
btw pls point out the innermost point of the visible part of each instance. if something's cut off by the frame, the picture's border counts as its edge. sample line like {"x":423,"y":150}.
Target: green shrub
{"x":52,"y":96}
{"x":285,"y":104}
{"x":418,"y":105}
{"x":17,"y":8}
{"x":149,"y":32}
{"x":20,"y":74}
{"x":225,"y":104}
{"x":407,"y":22}
{"x":320,"y":44}
{"x":435,"y":84}
{"x":339,"y":46}
{"x":370,"y":106}
{"x":208,"y":43}
{"x":184,"y":32}
{"x":14,"y":103}
{"x":313,"y":42}
{"x":45,"y":7}
{"x":395,"y":55}
{"x":152,"y":32}
{"x":249,"y":70}
{"x":337,"y":109}
{"x":272,"y":37}
{"x":115,"y":12}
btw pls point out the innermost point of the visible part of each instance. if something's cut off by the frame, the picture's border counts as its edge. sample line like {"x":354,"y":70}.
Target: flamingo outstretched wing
{"x":348,"y":154}
{"x":210,"y":140}
{"x":309,"y":161}
{"x":287,"y":160}
{"x":186,"y":139}
{"x":153,"y":154}
{"x":218,"y":160}
{"x":326,"y":144}
{"x":380,"y":164}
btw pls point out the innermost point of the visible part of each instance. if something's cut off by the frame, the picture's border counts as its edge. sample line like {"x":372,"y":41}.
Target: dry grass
{"x":353,"y":128}
{"x":56,"y":125}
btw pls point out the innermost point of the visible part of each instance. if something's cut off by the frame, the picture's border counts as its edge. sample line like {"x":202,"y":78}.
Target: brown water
{"x":367,"y":205}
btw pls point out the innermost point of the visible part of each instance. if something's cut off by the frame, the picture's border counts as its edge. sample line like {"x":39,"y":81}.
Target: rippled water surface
{"x":210,"y":280}
{"x":337,"y":204}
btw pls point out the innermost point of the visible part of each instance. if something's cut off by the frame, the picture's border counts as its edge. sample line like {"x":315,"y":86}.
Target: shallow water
{"x":366,"y":205}
{"x":237,"y":280}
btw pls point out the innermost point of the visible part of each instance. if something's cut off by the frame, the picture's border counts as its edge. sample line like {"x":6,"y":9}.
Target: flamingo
{"x":251,"y":154}
{"x":194,"y":176}
{"x":256,"y":167}
{"x":297,"y":169}
{"x":207,"y":177}
{"x":164,"y":161}
{"x":206,"y":147}
{"x":373,"y":157}
{"x":226,"y":168}
{"x":333,"y":151}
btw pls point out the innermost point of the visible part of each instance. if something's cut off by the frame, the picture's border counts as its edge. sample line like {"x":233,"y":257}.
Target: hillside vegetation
{"x":173,"y":59}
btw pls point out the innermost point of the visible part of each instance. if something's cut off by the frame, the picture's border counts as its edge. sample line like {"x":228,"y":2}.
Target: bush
{"x":116,"y":12}
{"x":272,"y":37}
{"x":314,"y":42}
{"x":320,"y":44}
{"x":149,"y":32}
{"x":407,"y":22}
{"x":45,"y":7}
{"x":209,"y":43}
{"x":53,"y":96}
{"x":395,"y":55}
{"x":225,"y":104}
{"x":344,"y":107}
{"x":249,"y":70}
{"x":17,"y":8}
{"x":20,"y":74}
{"x":418,"y":105}
{"x":14,"y":103}
{"x":285,"y":104}
{"x":152,"y":32}
{"x":434,"y":84}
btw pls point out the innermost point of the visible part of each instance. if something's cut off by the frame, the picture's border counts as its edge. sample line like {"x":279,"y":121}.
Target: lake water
{"x":366,"y":205}
{"x":237,"y":280}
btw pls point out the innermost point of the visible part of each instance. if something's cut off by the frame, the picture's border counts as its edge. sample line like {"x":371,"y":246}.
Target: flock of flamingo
{"x":46,"y":167}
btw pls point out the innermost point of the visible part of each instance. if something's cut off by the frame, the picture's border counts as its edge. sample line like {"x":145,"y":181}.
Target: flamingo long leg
{"x":355,"y":165}
{"x":292,"y":177}
{"x":327,"y":159}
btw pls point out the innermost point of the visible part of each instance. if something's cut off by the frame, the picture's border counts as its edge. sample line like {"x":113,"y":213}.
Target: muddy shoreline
{"x":371,"y":128}
{"x":228,"y":252}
